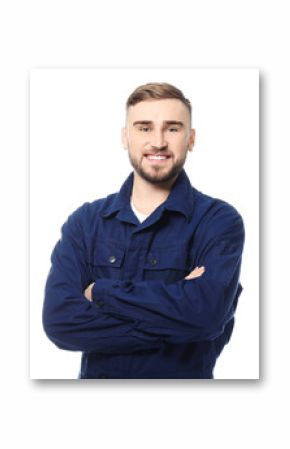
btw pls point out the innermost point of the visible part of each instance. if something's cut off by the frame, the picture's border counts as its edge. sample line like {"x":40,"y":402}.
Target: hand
{"x":197,"y":272}
{"x":88,"y":292}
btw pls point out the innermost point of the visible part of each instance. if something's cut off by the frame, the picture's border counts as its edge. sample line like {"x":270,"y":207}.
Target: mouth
{"x":159,"y":158}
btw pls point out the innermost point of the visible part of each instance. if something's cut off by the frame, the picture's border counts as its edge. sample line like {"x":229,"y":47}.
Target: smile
{"x":157,"y":157}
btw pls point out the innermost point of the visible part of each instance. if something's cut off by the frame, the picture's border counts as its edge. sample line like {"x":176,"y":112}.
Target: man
{"x":145,"y":282}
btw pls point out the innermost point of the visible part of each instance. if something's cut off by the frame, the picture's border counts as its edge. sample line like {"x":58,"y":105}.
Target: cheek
{"x":178,"y":139}
{"x":135,"y":142}
{"x":180,"y":144}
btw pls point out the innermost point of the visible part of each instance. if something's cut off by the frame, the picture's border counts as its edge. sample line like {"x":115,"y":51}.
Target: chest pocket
{"x":168,"y":263}
{"x":107,"y":260}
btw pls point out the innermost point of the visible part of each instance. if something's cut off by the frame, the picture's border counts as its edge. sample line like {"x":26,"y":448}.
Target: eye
{"x":173,"y":130}
{"x":144,"y":128}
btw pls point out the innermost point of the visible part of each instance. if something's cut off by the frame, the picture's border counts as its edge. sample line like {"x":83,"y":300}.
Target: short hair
{"x":157,"y":91}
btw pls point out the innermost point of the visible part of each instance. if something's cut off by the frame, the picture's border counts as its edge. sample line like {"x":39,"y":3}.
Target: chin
{"x":160,"y":177}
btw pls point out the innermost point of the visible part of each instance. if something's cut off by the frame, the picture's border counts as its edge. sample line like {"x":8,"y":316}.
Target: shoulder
{"x":87,"y":214}
{"x":217,"y":215}
{"x":96,"y":207}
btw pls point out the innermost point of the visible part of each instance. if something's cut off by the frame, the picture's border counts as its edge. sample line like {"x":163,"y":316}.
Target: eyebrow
{"x":166,"y":122}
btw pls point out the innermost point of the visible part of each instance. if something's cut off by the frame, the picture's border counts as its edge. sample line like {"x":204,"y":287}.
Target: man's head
{"x":158,"y":131}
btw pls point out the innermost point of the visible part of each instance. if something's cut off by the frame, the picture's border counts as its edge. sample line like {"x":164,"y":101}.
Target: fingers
{"x":88,"y":292}
{"x":197,"y":272}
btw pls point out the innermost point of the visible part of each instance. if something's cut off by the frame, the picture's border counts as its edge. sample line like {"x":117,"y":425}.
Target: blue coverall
{"x":146,"y":320}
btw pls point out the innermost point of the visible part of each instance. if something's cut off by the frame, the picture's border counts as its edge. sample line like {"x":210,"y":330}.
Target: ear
{"x":124,"y":138}
{"x":191,"y":140}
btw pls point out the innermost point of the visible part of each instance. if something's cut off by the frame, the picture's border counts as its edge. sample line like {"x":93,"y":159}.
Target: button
{"x":153,"y":261}
{"x":112,"y":259}
{"x":99,"y":302}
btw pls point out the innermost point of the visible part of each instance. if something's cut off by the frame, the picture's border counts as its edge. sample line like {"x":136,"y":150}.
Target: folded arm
{"x":72,"y":322}
{"x":190,"y":309}
{"x":195,"y":273}
{"x":126,"y":316}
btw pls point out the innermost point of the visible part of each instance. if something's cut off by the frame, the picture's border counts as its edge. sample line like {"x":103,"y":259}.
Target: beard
{"x":156,"y":174}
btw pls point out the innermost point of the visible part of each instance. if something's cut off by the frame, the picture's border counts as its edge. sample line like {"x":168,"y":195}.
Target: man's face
{"x":158,"y":136}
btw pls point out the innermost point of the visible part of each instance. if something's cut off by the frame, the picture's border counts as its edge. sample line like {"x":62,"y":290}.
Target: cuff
{"x":100,"y":290}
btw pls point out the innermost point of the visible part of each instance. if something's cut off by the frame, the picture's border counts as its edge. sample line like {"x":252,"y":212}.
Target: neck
{"x":147,"y":196}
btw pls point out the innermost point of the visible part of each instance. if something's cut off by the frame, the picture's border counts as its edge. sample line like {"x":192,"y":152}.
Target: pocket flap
{"x":167,"y":258}
{"x":108,"y":255}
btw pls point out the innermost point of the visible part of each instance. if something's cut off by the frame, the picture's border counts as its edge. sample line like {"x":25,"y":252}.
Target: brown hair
{"x":157,"y":91}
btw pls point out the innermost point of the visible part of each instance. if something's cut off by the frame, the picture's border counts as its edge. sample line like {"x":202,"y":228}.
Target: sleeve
{"x":186,"y":310}
{"x":71,"y":321}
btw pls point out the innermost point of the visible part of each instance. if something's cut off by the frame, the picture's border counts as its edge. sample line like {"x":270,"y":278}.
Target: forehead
{"x":158,"y":110}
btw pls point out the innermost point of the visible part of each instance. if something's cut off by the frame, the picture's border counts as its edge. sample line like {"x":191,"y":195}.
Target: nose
{"x":157,"y":140}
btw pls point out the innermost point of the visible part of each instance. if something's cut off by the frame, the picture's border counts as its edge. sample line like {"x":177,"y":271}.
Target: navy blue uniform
{"x":146,"y":320}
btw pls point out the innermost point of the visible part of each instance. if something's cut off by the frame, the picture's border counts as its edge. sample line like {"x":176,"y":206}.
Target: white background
{"x":129,"y":414}
{"x":76,"y":155}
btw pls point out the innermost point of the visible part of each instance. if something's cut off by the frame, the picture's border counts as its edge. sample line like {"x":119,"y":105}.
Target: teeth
{"x":156,"y":157}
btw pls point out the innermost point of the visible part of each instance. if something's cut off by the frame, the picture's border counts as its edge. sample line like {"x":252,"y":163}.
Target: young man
{"x":145,"y":282}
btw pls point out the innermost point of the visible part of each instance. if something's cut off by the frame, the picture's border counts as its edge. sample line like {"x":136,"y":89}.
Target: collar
{"x":180,"y":198}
